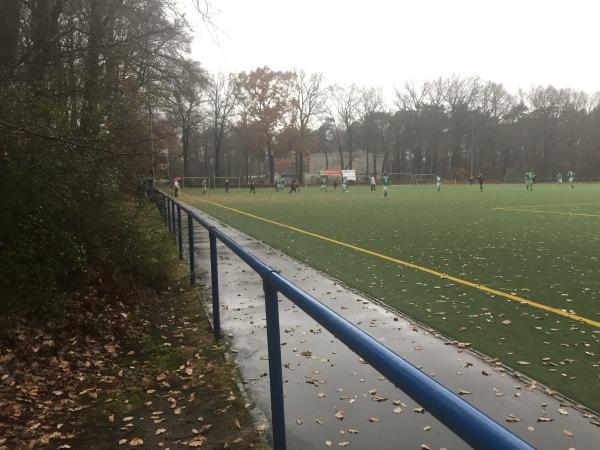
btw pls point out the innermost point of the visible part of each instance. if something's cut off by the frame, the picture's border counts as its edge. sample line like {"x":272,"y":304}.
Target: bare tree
{"x":308,"y":100}
{"x":222,"y":94}
{"x":371,"y":103}
{"x":183,"y":96}
{"x":345,"y":112}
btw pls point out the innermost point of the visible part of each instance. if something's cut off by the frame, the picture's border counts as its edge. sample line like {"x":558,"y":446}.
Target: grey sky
{"x":385,"y":43}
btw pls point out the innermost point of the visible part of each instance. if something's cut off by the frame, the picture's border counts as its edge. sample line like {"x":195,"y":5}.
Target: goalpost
{"x":233,"y":182}
{"x":194,"y":182}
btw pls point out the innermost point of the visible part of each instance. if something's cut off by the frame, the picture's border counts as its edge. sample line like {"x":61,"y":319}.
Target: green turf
{"x":548,"y":258}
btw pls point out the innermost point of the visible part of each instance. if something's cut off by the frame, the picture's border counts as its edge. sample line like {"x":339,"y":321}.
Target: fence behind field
{"x":470,"y":424}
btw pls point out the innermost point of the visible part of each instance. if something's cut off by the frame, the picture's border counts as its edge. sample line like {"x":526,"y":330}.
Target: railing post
{"x":191,"y":249}
{"x":275,"y":372}
{"x":214,"y":277}
{"x":173,"y":219}
{"x":168,"y":213}
{"x":179,"y":232}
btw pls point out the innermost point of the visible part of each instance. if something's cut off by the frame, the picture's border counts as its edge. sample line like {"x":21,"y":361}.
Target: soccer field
{"x":514,"y":273}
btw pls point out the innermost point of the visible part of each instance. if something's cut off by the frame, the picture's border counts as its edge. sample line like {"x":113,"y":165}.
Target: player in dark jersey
{"x":253,"y":186}
{"x":481,"y":179}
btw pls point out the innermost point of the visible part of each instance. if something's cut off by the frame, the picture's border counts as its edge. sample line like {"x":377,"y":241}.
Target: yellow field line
{"x":416,"y":267}
{"x":547,"y":212}
{"x":552,"y":205}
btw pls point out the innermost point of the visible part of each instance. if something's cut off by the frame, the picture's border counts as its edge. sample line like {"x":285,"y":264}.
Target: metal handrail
{"x":466,"y":421}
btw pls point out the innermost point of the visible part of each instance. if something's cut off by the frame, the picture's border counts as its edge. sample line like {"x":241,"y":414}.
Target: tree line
{"x":448,"y":126}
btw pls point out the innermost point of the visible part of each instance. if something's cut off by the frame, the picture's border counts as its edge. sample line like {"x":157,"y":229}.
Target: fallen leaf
{"x":374,"y":419}
{"x":567,"y":433}
{"x":160,"y":431}
{"x":135,"y":442}
{"x":197,"y":442}
{"x":339,"y":414}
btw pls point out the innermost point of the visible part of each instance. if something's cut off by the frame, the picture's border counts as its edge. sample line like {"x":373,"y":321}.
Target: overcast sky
{"x":520,"y":43}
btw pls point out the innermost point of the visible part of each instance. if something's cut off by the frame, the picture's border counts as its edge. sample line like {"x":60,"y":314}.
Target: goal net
{"x":314,"y":179}
{"x":425,"y":178}
{"x":401,"y":178}
{"x":194,"y":182}
{"x":233,"y":182}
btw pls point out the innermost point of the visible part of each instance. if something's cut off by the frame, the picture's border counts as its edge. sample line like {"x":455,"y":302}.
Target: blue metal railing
{"x":466,"y":421}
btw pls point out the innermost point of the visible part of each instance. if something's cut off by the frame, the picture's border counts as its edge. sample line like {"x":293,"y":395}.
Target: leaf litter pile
{"x":120,"y":373}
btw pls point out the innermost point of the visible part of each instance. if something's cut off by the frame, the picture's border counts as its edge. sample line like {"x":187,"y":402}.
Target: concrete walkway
{"x":333,"y":399}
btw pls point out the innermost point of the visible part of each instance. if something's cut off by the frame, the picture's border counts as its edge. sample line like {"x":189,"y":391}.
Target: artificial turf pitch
{"x":543,"y":246}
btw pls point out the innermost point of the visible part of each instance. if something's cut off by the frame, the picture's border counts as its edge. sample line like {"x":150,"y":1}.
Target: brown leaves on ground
{"x":108,"y":359}
{"x":51,"y":370}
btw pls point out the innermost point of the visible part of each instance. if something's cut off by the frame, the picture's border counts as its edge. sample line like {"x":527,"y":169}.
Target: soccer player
{"x":253,"y":186}
{"x":529,"y":180}
{"x":373,"y":183}
{"x":226,"y":185}
{"x":438,"y":182}
{"x":571,"y":177}
{"x":177,"y":188}
{"x":481,"y":179}
{"x":385,"y":182}
{"x":335,"y":183}
{"x":559,"y":178}
{"x":323,"y":184}
{"x":344,"y":184}
{"x":204,"y":186}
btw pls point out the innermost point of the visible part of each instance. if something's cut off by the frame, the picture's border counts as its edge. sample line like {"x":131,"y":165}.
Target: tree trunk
{"x":271,"y":160}
{"x":10,"y":15}
{"x":185,"y":143}
{"x":375,"y":163}
{"x":217,"y":143}
{"x":91,"y":94}
{"x":341,"y":152}
{"x":384,"y":163}
{"x":246,"y":163}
